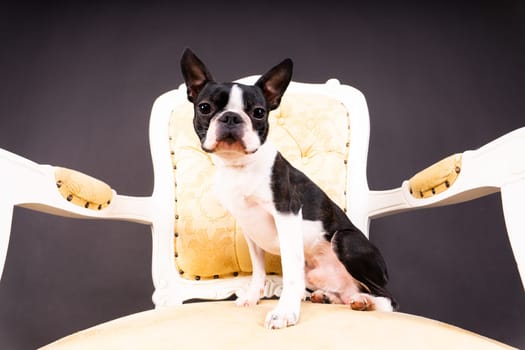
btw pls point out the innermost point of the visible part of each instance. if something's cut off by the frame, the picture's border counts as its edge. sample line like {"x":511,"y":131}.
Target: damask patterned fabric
{"x":311,"y":131}
{"x":82,"y":190}
{"x":436,"y":178}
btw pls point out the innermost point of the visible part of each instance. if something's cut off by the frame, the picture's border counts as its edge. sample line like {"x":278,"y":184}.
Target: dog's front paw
{"x":246,"y":302}
{"x":278,"y":319}
{"x":251,"y":298}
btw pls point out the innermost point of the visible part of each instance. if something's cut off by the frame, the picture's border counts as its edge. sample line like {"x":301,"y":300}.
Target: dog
{"x":280,"y":210}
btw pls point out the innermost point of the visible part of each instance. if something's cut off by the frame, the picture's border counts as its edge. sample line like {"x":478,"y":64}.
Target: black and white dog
{"x":279,"y":208}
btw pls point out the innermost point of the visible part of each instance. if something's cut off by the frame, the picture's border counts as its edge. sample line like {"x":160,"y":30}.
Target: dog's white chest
{"x":245,"y":191}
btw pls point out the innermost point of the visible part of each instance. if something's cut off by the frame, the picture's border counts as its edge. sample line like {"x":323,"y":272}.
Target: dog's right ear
{"x":195,"y":73}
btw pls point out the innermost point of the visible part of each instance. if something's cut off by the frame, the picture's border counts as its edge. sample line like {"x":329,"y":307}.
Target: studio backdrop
{"x":78,"y":83}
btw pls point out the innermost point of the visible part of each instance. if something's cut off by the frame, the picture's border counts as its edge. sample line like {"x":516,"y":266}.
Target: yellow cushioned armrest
{"x":82,"y":190}
{"x":436,"y":178}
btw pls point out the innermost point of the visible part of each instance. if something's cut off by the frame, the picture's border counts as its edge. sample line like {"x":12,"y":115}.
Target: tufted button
{"x":280,"y":121}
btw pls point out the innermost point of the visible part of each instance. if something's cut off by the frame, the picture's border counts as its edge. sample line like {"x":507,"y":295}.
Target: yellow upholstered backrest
{"x":311,"y":131}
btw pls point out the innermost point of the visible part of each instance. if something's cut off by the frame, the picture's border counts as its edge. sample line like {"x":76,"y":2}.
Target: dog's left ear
{"x":274,"y":82}
{"x":195,"y":73}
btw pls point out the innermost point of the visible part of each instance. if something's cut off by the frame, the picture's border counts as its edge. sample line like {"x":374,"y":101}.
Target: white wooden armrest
{"x":497,"y":166}
{"x":28,"y":184}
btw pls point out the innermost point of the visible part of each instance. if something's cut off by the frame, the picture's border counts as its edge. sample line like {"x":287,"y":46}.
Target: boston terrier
{"x":280,"y":210}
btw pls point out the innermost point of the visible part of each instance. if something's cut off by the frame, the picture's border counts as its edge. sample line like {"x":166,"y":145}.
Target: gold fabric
{"x":311,"y":131}
{"x":437,"y":178}
{"x":82,"y":190}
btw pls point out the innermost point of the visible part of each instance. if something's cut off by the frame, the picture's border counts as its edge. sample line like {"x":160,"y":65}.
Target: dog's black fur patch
{"x":294,"y":191}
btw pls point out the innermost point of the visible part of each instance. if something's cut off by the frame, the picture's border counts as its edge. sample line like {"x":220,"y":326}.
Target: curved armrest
{"x":60,"y":191}
{"x":458,"y":178}
{"x":82,"y":190}
{"x":497,"y":166}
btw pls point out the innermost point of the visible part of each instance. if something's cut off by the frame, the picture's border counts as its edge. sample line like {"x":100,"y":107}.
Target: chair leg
{"x":6,"y":217}
{"x":513,"y":199}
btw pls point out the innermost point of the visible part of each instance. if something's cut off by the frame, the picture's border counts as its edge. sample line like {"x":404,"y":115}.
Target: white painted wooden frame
{"x":498,"y":166}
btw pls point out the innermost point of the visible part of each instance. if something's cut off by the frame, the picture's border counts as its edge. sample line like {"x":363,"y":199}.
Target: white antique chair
{"x":199,"y":252}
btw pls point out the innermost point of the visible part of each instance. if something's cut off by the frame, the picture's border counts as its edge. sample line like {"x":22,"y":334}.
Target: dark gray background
{"x":77,"y":84}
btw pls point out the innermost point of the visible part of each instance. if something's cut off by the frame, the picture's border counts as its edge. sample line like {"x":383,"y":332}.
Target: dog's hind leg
{"x":322,"y":297}
{"x":365,"y":264}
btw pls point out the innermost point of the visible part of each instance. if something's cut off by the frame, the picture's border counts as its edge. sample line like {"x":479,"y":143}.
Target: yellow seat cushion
{"x":222,"y":325}
{"x":311,"y":131}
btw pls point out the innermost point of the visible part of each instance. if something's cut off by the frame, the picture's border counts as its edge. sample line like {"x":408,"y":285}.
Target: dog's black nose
{"x":230,"y":119}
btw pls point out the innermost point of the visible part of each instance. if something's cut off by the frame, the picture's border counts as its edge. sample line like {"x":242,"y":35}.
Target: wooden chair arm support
{"x":474,"y":178}
{"x":435,"y":186}
{"x":61,"y":192}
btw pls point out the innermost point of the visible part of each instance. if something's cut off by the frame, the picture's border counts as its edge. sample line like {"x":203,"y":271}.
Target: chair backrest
{"x":199,"y":250}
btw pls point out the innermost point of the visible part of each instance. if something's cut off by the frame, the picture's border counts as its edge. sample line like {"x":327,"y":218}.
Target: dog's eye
{"x":205,"y":108}
{"x":259,"y":113}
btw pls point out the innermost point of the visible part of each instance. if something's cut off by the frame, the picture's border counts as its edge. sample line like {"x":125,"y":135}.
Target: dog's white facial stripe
{"x":236,"y":102}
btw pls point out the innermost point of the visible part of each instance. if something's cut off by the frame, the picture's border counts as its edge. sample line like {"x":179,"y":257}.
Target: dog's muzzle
{"x":230,"y":128}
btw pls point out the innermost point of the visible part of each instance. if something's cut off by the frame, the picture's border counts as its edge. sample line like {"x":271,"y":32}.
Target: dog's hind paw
{"x":367,"y":302}
{"x":321,"y":297}
{"x":361,"y":302}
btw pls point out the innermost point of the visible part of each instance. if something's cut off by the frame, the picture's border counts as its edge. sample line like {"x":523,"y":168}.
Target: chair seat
{"x":222,"y":325}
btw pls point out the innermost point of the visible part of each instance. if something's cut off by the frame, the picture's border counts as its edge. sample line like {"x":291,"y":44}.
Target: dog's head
{"x":231,"y":119}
